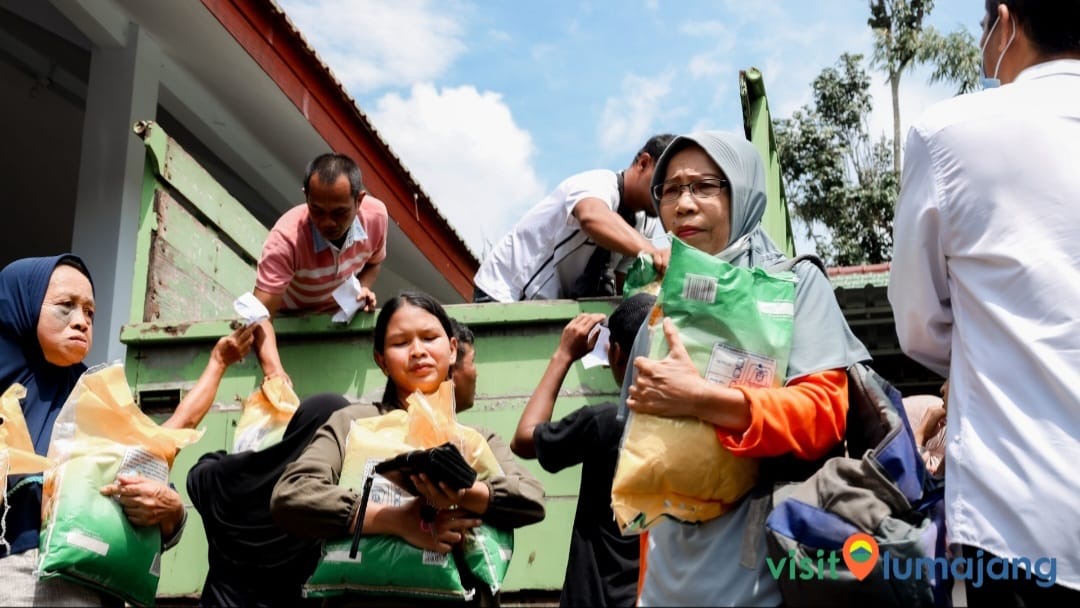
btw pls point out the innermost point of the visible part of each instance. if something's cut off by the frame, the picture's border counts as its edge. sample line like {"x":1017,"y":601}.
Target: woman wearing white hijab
{"x":709,"y":190}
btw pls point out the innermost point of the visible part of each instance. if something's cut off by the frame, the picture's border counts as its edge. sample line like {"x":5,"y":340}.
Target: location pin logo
{"x":860,"y":554}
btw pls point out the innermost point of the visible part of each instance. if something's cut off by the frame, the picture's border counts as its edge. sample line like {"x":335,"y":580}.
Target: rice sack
{"x":99,"y":434}
{"x":736,"y":324}
{"x":387,"y":565}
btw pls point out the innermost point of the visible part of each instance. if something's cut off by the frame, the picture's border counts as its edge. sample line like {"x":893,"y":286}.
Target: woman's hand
{"x":147,"y":502}
{"x":441,"y":534}
{"x":235,"y":346}
{"x":474,"y":499}
{"x":669,"y":387}
{"x":672,"y":387}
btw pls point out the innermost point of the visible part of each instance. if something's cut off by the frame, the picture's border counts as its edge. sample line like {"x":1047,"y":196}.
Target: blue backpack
{"x":874,"y":484}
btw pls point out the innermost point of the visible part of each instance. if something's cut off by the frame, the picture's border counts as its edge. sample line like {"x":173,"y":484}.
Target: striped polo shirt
{"x":305,"y":269}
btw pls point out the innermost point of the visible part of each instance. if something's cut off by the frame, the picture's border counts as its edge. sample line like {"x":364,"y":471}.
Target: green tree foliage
{"x":835,"y":174}
{"x":902,"y":40}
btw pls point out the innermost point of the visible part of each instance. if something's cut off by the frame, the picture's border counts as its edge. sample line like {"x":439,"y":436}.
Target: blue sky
{"x":491,"y":104}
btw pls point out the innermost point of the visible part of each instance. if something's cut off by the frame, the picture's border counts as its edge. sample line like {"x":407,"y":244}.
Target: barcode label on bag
{"x":699,"y":287}
{"x":431,"y":558}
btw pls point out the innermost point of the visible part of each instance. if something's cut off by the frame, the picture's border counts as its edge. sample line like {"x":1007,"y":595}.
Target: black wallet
{"x":443,"y":464}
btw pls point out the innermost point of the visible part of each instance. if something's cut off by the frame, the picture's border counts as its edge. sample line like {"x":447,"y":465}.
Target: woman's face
{"x":417,"y":354}
{"x":703,"y":223}
{"x":65,"y":328}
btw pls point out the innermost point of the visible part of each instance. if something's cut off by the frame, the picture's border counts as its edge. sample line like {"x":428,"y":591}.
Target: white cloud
{"x":628,"y":118}
{"x":371,"y":44}
{"x":705,"y":65}
{"x":466,"y":150}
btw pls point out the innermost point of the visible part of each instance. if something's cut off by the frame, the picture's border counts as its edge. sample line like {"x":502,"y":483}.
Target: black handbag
{"x":442,"y":464}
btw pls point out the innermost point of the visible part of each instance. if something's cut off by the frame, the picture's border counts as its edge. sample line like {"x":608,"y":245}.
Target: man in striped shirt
{"x":340,"y":232}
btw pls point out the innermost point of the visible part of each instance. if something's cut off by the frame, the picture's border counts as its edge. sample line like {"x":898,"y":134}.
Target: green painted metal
{"x":759,"y":130}
{"x":181,"y":172}
{"x":196,"y":247}
{"x":147,"y":226}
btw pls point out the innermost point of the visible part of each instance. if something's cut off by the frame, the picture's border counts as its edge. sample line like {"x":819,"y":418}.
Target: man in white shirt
{"x":985,"y":288}
{"x":574,"y":242}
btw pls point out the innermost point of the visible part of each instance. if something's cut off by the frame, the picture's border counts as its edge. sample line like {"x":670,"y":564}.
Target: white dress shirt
{"x":545,"y":253}
{"x":985,"y":288}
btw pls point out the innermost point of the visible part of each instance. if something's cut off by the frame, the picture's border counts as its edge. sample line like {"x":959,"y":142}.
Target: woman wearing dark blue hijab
{"x":46,"y":330}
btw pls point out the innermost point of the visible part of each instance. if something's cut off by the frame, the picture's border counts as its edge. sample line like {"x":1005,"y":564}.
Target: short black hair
{"x":1053,"y":26}
{"x":627,"y":319}
{"x":655,"y":146}
{"x":465,"y":337}
{"x":329,"y":167}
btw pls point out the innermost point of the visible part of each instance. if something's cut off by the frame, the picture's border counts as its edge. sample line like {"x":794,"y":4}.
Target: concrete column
{"x":123,"y":89}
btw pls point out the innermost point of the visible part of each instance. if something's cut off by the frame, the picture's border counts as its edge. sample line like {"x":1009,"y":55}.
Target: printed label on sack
{"x":383,"y":491}
{"x":777,"y":309}
{"x":138,"y":461}
{"x":732,"y":366}
{"x":342,"y":555}
{"x":250,"y":439}
{"x":77,"y":538}
{"x":431,"y":558}
{"x":700,"y":288}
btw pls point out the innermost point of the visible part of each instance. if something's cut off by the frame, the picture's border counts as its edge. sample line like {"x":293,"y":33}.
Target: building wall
{"x":39,"y":164}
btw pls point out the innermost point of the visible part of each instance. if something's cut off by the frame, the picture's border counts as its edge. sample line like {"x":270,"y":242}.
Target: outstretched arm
{"x":611,"y":232}
{"x":193,"y":407}
{"x":265,"y":339}
{"x":573,"y":345}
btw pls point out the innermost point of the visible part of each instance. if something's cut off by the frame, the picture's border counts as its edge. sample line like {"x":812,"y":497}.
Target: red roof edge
{"x":864,"y":269}
{"x":264,"y":31}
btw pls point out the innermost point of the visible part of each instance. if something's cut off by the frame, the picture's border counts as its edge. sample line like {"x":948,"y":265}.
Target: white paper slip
{"x":250,"y":309}
{"x":345,"y":296}
{"x":599,"y":354}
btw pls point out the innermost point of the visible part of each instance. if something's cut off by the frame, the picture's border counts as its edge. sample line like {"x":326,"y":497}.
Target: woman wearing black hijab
{"x":252,"y":562}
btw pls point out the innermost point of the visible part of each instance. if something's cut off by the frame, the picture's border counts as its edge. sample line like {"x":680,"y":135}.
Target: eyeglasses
{"x":702,"y":189}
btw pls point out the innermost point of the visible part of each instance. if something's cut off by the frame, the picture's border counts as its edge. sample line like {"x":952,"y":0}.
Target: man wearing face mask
{"x":984,"y":286}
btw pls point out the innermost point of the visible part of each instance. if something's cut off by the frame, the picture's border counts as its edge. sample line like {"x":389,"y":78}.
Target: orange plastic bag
{"x":17,"y":456}
{"x":267,"y":412}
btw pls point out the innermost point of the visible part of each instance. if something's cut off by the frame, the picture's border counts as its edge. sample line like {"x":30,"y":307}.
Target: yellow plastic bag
{"x":267,"y":411}
{"x":99,"y":434}
{"x":401,"y":568}
{"x":17,"y":456}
